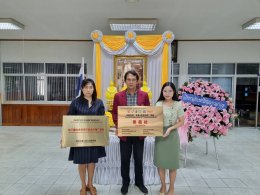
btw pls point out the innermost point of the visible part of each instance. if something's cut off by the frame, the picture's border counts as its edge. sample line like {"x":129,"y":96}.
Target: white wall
{"x":47,"y":51}
{"x":215,"y":51}
{"x":188,"y":52}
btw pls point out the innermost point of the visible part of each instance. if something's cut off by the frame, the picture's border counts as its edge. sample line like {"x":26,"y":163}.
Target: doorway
{"x":246,"y":101}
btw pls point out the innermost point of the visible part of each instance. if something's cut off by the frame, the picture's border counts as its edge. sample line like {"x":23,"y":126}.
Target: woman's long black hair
{"x":84,"y":83}
{"x":174,"y":97}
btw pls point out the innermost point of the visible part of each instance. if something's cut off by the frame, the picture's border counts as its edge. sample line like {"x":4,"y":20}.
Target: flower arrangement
{"x":203,"y":118}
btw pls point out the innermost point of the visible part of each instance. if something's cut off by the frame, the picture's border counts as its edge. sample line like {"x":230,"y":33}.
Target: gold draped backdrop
{"x":115,"y":43}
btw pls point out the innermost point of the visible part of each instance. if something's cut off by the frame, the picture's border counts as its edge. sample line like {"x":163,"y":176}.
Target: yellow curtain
{"x":114,"y":42}
{"x":148,"y":42}
{"x":165,"y":60}
{"x":98,"y":70}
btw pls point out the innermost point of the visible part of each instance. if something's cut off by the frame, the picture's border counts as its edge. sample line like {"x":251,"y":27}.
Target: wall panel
{"x":33,"y":114}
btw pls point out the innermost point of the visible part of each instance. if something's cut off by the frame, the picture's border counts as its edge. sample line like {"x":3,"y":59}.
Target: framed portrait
{"x":122,"y":64}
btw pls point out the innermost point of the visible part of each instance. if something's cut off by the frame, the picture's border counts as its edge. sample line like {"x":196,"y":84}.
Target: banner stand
{"x":215,"y":149}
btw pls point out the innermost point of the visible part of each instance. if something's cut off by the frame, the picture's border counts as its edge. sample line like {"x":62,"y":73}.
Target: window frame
{"x":24,"y":75}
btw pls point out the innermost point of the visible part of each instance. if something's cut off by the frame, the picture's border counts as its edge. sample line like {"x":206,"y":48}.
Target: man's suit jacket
{"x":120,"y":99}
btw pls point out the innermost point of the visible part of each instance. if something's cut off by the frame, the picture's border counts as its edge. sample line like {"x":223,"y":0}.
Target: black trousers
{"x":126,"y":147}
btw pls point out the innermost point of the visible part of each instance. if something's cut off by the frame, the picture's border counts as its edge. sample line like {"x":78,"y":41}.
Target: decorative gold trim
{"x":119,"y":66}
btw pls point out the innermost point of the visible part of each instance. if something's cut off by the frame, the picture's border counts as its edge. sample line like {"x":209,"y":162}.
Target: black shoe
{"x":124,"y":189}
{"x":142,"y":188}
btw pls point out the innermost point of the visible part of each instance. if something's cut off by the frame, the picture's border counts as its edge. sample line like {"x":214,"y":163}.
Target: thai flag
{"x":80,"y":78}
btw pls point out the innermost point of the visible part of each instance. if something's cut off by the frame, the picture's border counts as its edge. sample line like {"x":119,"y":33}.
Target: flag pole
{"x":83,"y":64}
{"x":81,"y":77}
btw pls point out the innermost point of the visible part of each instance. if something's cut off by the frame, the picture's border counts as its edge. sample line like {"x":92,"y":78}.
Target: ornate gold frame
{"x":119,"y":65}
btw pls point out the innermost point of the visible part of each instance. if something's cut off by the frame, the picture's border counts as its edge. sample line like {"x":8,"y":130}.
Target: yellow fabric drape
{"x":98,"y":69}
{"x":165,"y":60}
{"x":114,"y":42}
{"x":149,"y":42}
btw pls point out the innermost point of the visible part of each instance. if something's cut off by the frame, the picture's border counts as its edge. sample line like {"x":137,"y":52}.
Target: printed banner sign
{"x":203,"y":101}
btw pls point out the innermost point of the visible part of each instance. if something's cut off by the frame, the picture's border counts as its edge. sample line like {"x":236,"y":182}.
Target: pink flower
{"x":207,"y":119}
{"x":212,"y":127}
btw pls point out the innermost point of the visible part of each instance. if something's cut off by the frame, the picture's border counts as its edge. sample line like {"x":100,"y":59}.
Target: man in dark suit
{"x":131,"y":97}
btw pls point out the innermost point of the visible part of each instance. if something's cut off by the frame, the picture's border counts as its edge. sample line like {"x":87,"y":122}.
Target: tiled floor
{"x":31,"y":162}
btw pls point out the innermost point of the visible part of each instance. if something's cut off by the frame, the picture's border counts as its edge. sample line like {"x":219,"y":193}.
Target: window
{"x":34,"y":88}
{"x":33,"y":68}
{"x":14,"y":88}
{"x":223,"y":68}
{"x":55,"y":68}
{"x":224,"y":83}
{"x":14,"y":68}
{"x":219,"y":73}
{"x":248,"y":68}
{"x":193,"y":79}
{"x":34,"y":85}
{"x":40,"y":81}
{"x":73,"y":68}
{"x":56,"y":89}
{"x":71,"y":87}
{"x":199,"y":68}
{"x":175,"y":71}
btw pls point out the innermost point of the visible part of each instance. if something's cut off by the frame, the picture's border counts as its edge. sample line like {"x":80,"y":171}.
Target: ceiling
{"x":76,"y":19}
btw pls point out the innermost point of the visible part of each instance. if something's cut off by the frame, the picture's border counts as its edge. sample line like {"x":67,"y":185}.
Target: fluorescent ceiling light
{"x":252,"y":24}
{"x":136,"y":24}
{"x":131,"y":1}
{"x":10,"y":24}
